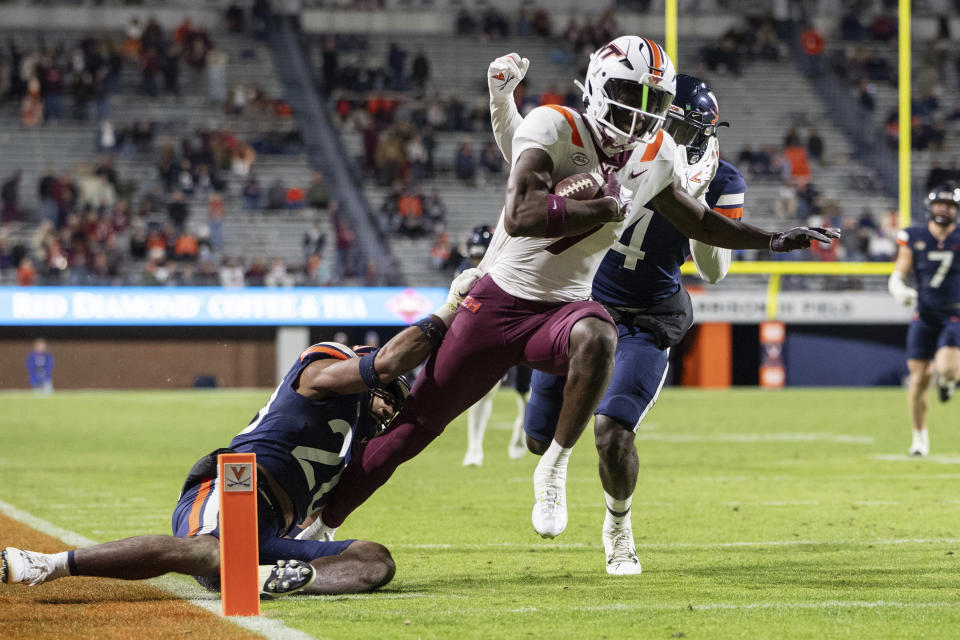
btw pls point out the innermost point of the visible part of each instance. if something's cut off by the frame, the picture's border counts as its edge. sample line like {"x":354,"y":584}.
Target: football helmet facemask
{"x":371,"y":422}
{"x":629,"y":86}
{"x":949,"y":196}
{"x":694,"y":116}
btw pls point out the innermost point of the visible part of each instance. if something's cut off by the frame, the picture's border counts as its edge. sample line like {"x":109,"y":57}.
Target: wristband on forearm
{"x":433,"y":330}
{"x":556,"y":215}
{"x":367,"y":372}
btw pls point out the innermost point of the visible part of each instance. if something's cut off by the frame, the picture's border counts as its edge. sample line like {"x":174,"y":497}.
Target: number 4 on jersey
{"x":636,"y":232}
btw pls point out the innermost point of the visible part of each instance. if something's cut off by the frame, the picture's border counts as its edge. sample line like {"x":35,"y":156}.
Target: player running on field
{"x":532,"y":305}
{"x":329,"y":400}
{"x":518,"y":378}
{"x":638,"y":282}
{"x":932,"y":253}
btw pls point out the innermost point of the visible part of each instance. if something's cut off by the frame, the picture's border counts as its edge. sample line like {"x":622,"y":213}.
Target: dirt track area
{"x":97,"y":607}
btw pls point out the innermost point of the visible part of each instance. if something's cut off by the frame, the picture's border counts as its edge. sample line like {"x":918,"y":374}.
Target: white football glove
{"x":459,"y":289}
{"x":504,"y":74}
{"x":901,"y":292}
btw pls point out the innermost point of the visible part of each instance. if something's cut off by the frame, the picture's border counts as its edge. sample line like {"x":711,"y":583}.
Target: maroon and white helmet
{"x":629,"y":86}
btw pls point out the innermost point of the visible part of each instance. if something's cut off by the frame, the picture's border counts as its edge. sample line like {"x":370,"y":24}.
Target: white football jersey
{"x":562,"y":269}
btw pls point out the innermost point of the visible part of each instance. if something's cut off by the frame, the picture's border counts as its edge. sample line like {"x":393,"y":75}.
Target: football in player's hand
{"x":580,"y":186}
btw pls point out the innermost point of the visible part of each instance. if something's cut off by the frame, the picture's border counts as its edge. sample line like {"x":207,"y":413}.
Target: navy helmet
{"x":479,"y":241}
{"x":694,"y":116}
{"x":948,"y":194}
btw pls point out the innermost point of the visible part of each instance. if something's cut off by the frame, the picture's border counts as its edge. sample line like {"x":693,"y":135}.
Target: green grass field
{"x":792,"y":514}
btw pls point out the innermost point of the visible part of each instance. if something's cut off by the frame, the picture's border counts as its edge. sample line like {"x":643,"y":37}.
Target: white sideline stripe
{"x":685,"y":545}
{"x":196,"y":595}
{"x":758,"y":437}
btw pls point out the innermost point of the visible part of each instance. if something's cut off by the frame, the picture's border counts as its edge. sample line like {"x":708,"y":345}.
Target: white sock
{"x":616,"y":505}
{"x":555,"y":455}
{"x":61,"y":565}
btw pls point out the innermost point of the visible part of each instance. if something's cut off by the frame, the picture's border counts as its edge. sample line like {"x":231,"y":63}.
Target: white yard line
{"x":757,"y":437}
{"x":182,"y":588}
{"x":937,"y":459}
{"x":684,"y":545}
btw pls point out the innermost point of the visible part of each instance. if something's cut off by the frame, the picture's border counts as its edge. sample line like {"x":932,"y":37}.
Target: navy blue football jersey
{"x":304,"y":444}
{"x":936,"y":266}
{"x":643,"y":267}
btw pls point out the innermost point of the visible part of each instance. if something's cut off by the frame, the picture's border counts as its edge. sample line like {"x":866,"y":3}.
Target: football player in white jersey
{"x":638,"y":282}
{"x":532,"y":305}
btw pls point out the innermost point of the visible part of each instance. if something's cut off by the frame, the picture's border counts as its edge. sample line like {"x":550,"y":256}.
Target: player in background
{"x":330,"y":401}
{"x":638,"y":282}
{"x":932,"y":253}
{"x":533,"y":305}
{"x":40,"y":367}
{"x":518,"y":378}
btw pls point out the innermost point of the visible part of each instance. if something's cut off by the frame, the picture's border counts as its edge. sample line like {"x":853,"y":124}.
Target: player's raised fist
{"x":504,"y":74}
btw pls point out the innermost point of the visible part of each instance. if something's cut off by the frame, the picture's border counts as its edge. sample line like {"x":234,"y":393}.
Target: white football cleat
{"x":621,"y":552}
{"x":921,"y":443}
{"x":473,"y":458}
{"x":26,"y":567}
{"x":286,"y":577}
{"x":550,"y":509}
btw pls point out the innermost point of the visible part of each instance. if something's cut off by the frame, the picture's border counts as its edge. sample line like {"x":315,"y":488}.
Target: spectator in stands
{"x":251,"y":194}
{"x":465,"y":165}
{"x":396,"y":63}
{"x":420,"y":72}
{"x":331,"y":64}
{"x":866,"y":91}
{"x":440,"y":252}
{"x":435,"y":211}
{"x":106,"y":137}
{"x":883,"y":28}
{"x":217,"y":76}
{"x":813,"y":45}
{"x":256,"y":273}
{"x":317,"y":272}
{"x":466,"y":24}
{"x":178,"y":209}
{"x":10,"y":198}
{"x":242,"y":158}
{"x":850,"y":27}
{"x":815,"y":145}
{"x":231,"y":275}
{"x":149,"y":68}
{"x":186,"y":247}
{"x":540,"y":23}
{"x":260,"y":18}
{"x":26,"y":273}
{"x":278,"y":275}
{"x":295,"y":199}
{"x":410,"y":210}
{"x":276,"y":195}
{"x":318,"y":196}
{"x":522,"y":26}
{"x":234,"y":18}
{"x":31,"y":107}
{"x":314,"y":240}
{"x":495,"y":24}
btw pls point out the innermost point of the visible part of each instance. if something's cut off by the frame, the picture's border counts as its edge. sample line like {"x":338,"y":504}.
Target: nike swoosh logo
{"x":637,"y":174}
